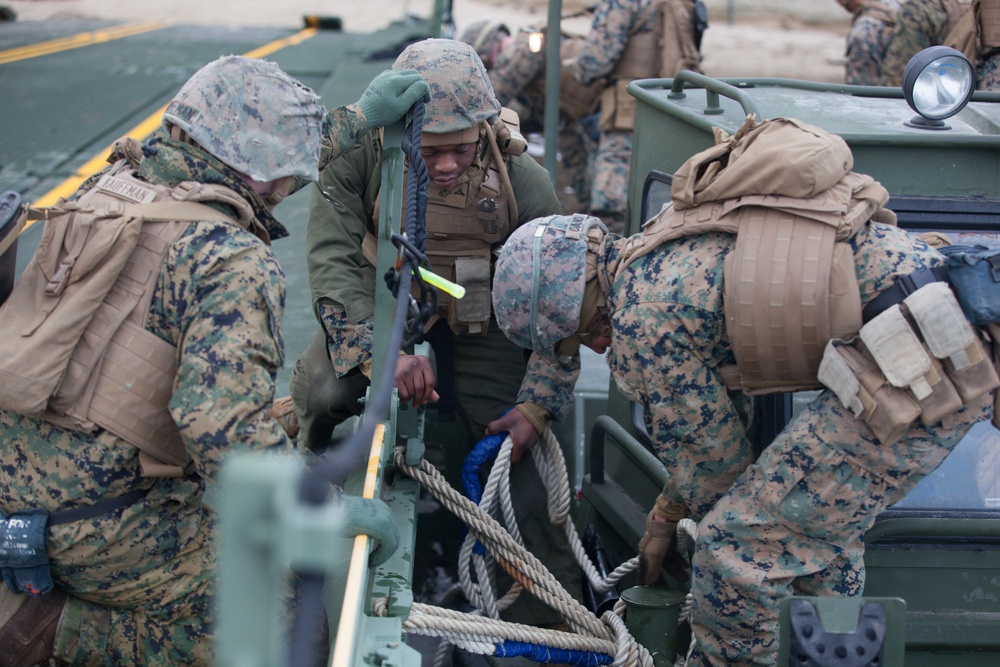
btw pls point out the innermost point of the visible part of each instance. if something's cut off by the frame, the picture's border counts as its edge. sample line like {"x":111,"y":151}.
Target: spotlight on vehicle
{"x":937,"y":83}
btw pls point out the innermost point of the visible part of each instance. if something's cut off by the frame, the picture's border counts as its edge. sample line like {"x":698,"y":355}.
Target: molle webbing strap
{"x":120,"y":376}
{"x":641,"y":57}
{"x":778,"y":325}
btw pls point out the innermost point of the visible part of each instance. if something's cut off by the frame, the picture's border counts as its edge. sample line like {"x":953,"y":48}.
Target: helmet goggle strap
{"x":536,"y":278}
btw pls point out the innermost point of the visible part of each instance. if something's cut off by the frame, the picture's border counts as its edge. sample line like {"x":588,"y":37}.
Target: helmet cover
{"x":540,"y":279}
{"x":461,"y":92}
{"x":482,"y":35}
{"x":253,"y":117}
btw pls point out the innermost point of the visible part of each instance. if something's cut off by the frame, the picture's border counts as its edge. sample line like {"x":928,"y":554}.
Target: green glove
{"x":372,"y":517}
{"x":390,"y":95}
{"x":656,"y":544}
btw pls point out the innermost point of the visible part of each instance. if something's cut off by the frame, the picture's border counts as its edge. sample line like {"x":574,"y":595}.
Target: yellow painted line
{"x":348,"y":626}
{"x":78,"y":41}
{"x":279,"y":44}
{"x":147,"y":127}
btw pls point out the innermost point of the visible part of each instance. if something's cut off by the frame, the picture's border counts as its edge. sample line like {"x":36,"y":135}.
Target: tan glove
{"x":654,"y":547}
{"x":658,"y":542}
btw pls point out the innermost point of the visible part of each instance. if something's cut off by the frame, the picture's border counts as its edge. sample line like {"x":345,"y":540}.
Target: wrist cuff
{"x":668,"y":510}
{"x":536,"y":414}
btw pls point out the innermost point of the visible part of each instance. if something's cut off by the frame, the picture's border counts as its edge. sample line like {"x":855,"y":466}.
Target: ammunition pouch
{"x":617,"y":108}
{"x":919,"y":358}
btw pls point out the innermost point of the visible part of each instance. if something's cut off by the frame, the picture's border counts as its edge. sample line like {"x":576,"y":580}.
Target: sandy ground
{"x":802,"y":39}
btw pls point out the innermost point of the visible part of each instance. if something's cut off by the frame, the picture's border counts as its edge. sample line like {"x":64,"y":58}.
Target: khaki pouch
{"x":950,"y":338}
{"x":864,"y":390}
{"x":896,"y":348}
{"x":472,"y":312}
{"x":617,"y":108}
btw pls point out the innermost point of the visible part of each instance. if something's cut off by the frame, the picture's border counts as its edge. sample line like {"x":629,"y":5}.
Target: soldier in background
{"x":988,"y":68}
{"x":631,"y":39}
{"x":130,"y":542}
{"x":675,"y":330}
{"x":516,"y":67}
{"x":919,"y":24}
{"x":477,"y":195}
{"x":965,"y":25}
{"x":872,"y":23}
{"x":489,"y":39}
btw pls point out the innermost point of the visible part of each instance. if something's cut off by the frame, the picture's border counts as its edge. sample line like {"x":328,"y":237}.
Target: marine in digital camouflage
{"x":612,"y":22}
{"x":140,"y":578}
{"x":791,"y":523}
{"x":490,"y":373}
{"x":518,"y":78}
{"x":919,"y":24}
{"x":871,"y":30}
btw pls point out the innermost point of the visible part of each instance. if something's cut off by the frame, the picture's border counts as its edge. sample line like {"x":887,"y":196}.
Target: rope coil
{"x":482,"y":632}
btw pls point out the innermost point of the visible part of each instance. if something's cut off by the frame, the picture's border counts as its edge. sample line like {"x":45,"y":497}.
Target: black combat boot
{"x":28,"y":625}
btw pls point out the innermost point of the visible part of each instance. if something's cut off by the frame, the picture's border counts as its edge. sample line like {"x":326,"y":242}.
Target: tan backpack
{"x":787,"y":191}
{"x":73,"y":347}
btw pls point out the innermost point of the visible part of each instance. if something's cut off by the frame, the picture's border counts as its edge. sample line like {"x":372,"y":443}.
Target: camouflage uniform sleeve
{"x":342,"y":284}
{"x":549,"y":384}
{"x":343,"y":129}
{"x":516,"y":67}
{"x":609,"y":33}
{"x":919,"y":24}
{"x":545,"y":383}
{"x":227,"y":296}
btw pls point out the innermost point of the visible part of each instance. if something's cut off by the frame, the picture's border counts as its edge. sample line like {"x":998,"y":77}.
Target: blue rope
{"x":485,"y":450}
{"x":513,"y":649}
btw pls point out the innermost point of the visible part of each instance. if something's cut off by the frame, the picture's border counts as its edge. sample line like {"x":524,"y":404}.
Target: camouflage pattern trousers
{"x":609,"y":191}
{"x":161,"y":617}
{"x":794,"y":522}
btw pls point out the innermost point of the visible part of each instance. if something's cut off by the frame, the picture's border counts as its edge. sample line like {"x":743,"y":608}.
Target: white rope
{"x":480,"y":635}
{"x":504,"y":545}
{"x":687,"y":536}
{"x":519,"y":562}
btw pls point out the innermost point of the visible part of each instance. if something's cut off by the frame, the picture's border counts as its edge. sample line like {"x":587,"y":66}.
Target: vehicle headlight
{"x":937,"y":83}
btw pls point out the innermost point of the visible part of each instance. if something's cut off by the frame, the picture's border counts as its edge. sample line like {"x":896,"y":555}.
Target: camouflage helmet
{"x":540,"y":279}
{"x":482,"y":35}
{"x":461,"y":93}
{"x":253,"y":117}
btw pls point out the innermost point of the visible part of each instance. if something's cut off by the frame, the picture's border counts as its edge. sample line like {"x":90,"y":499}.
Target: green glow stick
{"x":442,"y":284}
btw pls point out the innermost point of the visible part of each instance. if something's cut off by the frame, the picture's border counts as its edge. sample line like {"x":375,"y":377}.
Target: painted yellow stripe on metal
{"x":147,"y":127}
{"x":351,"y":607}
{"x":78,"y":41}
